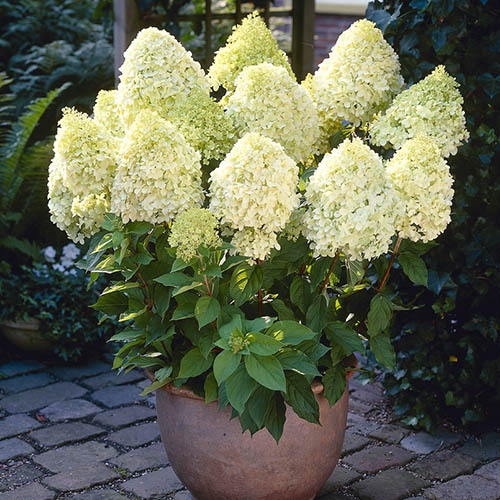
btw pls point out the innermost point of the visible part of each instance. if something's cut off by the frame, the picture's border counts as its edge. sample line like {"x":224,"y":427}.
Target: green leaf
{"x":184,"y":310}
{"x":258,"y":403}
{"x":228,"y":327}
{"x":284,"y":312}
{"x":319,"y":270}
{"x":161,"y":298}
{"x":341,"y":333}
{"x":210,"y":388}
{"x":334,"y":382}
{"x":111,"y":304}
{"x":300,"y":293}
{"x":297,"y":361}
{"x":313,"y":350}
{"x":194,"y":364}
{"x":225,"y":364}
{"x":257,"y":325}
{"x":120,"y":287}
{"x":154,"y":386}
{"x":174,"y":279}
{"x":179,"y":265}
{"x":384,"y":352}
{"x":379,"y":315}
{"x":267,"y":371}
{"x":355,"y":271}
{"x":163,"y":373}
{"x":300,"y":397}
{"x":263,"y":344}
{"x":275,"y":416}
{"x":206,"y":310}
{"x":414,"y":267}
{"x":239,"y":387}
{"x":290,"y":332}
{"x":245,"y":282}
{"x":316,"y":314}
{"x":138,"y":227}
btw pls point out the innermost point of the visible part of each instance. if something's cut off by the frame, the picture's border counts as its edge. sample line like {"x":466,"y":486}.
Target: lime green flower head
{"x":106,"y":113}
{"x":267,"y":100}
{"x":192,"y":229}
{"x":250,"y":43}
{"x":159,"y":174}
{"x":423,"y":181}
{"x":352,"y":207}
{"x":431,"y":107}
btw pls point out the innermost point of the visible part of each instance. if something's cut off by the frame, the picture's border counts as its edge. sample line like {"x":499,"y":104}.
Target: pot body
{"x":216,"y":461}
{"x":25,"y":335}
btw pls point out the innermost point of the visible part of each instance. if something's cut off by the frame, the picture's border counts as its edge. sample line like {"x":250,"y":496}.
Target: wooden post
{"x":126,"y":26}
{"x":303,"y":38}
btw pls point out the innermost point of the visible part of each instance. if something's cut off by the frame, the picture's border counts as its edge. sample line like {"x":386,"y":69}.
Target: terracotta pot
{"x":26,"y":335}
{"x":216,"y":461}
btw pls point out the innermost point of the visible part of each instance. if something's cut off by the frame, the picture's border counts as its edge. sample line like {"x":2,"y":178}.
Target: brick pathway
{"x":82,"y":433}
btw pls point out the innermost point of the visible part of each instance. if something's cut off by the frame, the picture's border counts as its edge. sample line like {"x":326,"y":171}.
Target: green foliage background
{"x":449,"y":360}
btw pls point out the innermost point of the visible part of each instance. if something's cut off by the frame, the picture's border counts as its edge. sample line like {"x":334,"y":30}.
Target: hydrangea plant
{"x":250,"y":240}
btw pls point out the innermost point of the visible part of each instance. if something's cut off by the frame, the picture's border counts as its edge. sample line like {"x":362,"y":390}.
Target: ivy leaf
{"x":206,"y":310}
{"x":334,"y":382}
{"x":239,"y":387}
{"x":193,"y":364}
{"x":384,"y":353}
{"x":379,"y":315}
{"x":300,"y":397}
{"x":414,"y":267}
{"x":267,"y":371}
{"x":245,"y":282}
{"x":225,"y":364}
{"x":342,"y":334}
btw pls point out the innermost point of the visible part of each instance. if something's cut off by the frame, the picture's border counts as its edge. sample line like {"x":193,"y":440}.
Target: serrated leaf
{"x":300,"y":397}
{"x":300,"y":293}
{"x":384,"y":353}
{"x":174,"y":279}
{"x":379,"y":315}
{"x":345,"y":336}
{"x":290,"y":332}
{"x":161,"y":299}
{"x":316,"y":314}
{"x":275,"y":416}
{"x":414,"y":267}
{"x":225,"y":364}
{"x":238,"y":388}
{"x":258,"y":403}
{"x":267,"y":371}
{"x":206,"y":310}
{"x":297,"y":361}
{"x":193,"y":364}
{"x":334,"y":382}
{"x":284,"y":312}
{"x":210,"y":388}
{"x":245,"y":282}
{"x":263,"y":344}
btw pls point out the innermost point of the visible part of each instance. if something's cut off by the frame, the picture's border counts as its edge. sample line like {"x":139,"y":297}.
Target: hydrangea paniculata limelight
{"x":192,"y":229}
{"x":352,"y":207}
{"x":423,"y":181}
{"x":250,"y":43}
{"x":267,"y":100}
{"x":159,"y":174}
{"x":432,"y":107}
{"x":106,"y":112}
{"x":254,"y":192}
{"x":360,"y":77}
{"x":157,"y":71}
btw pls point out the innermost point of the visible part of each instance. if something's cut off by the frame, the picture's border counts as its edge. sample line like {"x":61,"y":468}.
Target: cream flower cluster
{"x":106,"y":113}
{"x":250,"y":43}
{"x":352,"y":207}
{"x":80,"y":175}
{"x":267,"y":100}
{"x":423,"y":181}
{"x":156,"y":73}
{"x":192,"y":229}
{"x":360,"y":77}
{"x":159,"y":174}
{"x":432,"y":107}
{"x":254,"y":192}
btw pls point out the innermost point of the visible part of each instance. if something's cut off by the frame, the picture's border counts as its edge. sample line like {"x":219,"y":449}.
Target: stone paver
{"x":75,"y":456}
{"x":444,"y":465}
{"x":19,"y":368}
{"x":389,"y":433}
{"x":378,"y":457}
{"x":158,"y":482}
{"x":106,"y":379}
{"x":17,"y":424}
{"x":339,"y":478}
{"x":359,"y":424}
{"x":486,"y":448}
{"x":124,"y":416}
{"x":490,"y":471}
{"x":142,"y":458}
{"x":59,"y":434}
{"x":465,"y":488}
{"x":424,"y":443}
{"x":136,"y":435}
{"x":76,"y":372}
{"x":117,"y":396}
{"x":70,"y":409}
{"x":14,"y":447}
{"x":359,"y":407}
{"x":391,"y":484}
{"x":18,"y":475}
{"x":353,"y":442}
{"x":82,"y":477}
{"x":25,"y":382}
{"x":41,"y":397}
{"x":102,"y":494}
{"x":183,"y":495}
{"x":33,"y":491}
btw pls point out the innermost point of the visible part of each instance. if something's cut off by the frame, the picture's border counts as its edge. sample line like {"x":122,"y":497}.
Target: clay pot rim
{"x":185,"y":392}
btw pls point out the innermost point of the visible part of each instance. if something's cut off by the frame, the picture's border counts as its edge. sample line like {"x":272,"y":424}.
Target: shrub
{"x":448,"y":362}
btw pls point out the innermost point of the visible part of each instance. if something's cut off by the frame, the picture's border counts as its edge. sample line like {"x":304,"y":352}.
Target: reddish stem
{"x":391,"y":262}
{"x":148,"y":294}
{"x":328,"y":274}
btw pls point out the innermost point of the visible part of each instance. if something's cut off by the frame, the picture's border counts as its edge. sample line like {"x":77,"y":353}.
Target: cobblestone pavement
{"x":82,"y":433}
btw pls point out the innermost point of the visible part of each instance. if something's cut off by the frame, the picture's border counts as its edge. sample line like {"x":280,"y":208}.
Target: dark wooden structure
{"x":128,"y":22}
